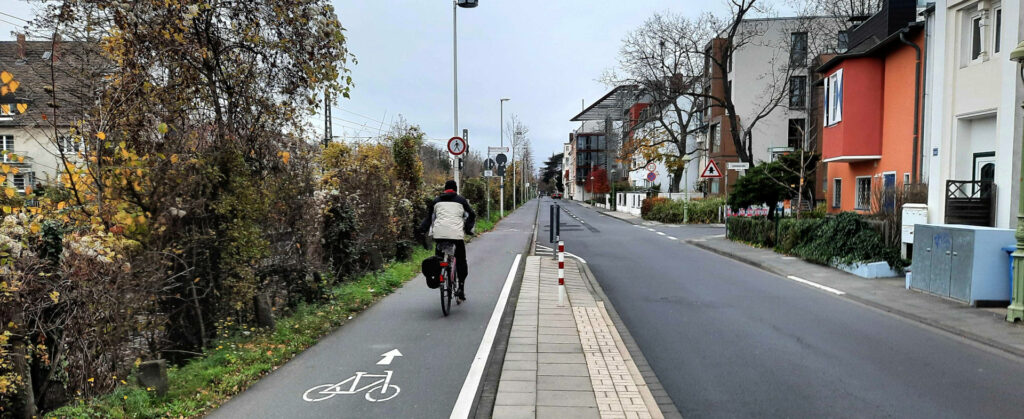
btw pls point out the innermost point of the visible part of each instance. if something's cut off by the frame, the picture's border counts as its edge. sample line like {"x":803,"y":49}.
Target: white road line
{"x":672,"y":238}
{"x":660,"y":233}
{"x":815,"y":285}
{"x":575,"y":256}
{"x":476,"y":370}
{"x":650,"y":229}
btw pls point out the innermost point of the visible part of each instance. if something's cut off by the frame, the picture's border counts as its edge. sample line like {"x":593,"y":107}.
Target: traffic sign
{"x":493,"y":150}
{"x":489,"y":164}
{"x":501,"y":159}
{"x":738,"y":166}
{"x":711,"y":171}
{"x":456,"y":146}
{"x":652,"y":167}
{"x":651,"y":176}
{"x":488,"y":173}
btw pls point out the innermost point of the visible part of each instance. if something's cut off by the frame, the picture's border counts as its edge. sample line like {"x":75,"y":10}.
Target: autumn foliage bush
{"x":198,"y":190}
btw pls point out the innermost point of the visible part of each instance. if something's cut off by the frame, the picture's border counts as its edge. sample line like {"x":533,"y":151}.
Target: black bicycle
{"x":450,"y":287}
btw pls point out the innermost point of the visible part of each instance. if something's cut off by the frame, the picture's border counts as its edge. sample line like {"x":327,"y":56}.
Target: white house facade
{"x":973,"y":108}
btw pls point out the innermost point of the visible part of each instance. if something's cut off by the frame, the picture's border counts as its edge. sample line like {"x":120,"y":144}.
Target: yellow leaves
{"x":9,"y":192}
{"x":22,"y":107}
{"x":101,"y":135}
{"x":6,"y":77}
{"x":5,"y":108}
{"x":285,"y":156}
{"x":174,"y":158}
{"x":55,"y":296}
{"x":61,"y":205}
{"x":13,"y":85}
{"x":7,"y":209}
{"x":5,"y":168}
{"x":34,"y":227}
{"x":162,"y":128}
{"x":3,"y":178}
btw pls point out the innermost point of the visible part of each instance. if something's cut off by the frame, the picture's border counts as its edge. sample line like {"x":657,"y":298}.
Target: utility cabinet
{"x":965,"y":263}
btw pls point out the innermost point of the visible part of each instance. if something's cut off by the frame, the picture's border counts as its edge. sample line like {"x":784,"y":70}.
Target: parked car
{"x":556,"y":195}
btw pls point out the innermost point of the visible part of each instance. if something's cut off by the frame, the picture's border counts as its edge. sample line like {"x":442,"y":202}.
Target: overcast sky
{"x":544,"y":55}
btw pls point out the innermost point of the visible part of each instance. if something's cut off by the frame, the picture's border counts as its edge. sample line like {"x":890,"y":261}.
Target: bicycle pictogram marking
{"x":380,"y":390}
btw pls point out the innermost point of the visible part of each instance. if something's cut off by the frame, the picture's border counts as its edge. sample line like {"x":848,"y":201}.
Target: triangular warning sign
{"x":711,"y":170}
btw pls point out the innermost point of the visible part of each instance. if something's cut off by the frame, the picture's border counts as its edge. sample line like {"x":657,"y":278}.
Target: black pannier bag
{"x":431,"y":268}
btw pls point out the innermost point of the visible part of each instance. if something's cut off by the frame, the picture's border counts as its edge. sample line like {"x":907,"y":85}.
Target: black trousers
{"x":461,"y":266}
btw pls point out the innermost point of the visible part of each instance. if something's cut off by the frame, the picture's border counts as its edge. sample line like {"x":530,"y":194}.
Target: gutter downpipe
{"x":914,"y":176}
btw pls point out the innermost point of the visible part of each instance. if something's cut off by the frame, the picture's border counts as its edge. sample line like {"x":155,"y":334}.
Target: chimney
{"x":21,"y":46}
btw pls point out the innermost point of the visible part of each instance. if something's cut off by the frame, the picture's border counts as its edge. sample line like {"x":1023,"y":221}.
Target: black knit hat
{"x":451,"y":185}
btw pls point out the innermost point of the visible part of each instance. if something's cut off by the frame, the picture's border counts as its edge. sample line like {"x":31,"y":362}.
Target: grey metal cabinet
{"x":961,"y":262}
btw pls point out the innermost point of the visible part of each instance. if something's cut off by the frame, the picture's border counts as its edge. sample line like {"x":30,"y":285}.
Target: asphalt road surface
{"x":436,"y":351}
{"x":729,"y":340}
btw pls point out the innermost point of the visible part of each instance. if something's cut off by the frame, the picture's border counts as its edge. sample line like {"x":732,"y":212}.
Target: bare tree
{"x":664,"y":71}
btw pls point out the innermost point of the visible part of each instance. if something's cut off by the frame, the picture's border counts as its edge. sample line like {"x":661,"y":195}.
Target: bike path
{"x":437,"y":351}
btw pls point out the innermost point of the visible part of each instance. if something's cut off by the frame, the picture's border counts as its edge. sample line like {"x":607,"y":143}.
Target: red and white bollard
{"x":561,"y":273}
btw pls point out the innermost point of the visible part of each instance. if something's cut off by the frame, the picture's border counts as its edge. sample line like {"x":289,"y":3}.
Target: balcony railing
{"x":970,"y":202}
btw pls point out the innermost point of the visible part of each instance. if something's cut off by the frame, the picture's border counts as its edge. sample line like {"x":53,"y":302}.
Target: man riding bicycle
{"x":450,"y":219}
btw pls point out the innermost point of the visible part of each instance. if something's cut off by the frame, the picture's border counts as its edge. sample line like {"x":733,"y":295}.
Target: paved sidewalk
{"x":889,"y":294}
{"x":567,"y":361}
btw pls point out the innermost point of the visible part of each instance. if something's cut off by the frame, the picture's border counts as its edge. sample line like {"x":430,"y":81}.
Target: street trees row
{"x":682,"y":67}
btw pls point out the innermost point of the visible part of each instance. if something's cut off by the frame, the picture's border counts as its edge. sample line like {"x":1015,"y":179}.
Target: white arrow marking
{"x":388,"y":357}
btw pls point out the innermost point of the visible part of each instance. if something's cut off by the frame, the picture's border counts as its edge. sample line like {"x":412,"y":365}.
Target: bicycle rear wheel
{"x":446,"y":293}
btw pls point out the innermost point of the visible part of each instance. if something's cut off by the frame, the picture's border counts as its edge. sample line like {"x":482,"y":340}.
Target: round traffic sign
{"x":456,"y":146}
{"x":652,"y":167}
{"x":651,"y":176}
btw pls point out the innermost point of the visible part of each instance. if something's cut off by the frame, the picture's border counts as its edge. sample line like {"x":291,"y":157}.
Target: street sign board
{"x":738,"y":166}
{"x":652,"y":167}
{"x":711,"y":171}
{"x":651,"y":176}
{"x":494,"y":150}
{"x":488,"y":173}
{"x":456,"y":146}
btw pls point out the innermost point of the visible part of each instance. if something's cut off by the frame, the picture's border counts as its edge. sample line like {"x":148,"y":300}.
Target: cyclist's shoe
{"x":461,"y":295}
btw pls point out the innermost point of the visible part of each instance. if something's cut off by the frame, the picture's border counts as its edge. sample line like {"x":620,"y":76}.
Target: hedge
{"x":664,"y":210}
{"x":842,"y":239}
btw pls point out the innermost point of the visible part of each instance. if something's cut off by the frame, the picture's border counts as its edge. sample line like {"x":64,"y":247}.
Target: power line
{"x":10,"y":15}
{"x":357,"y":114}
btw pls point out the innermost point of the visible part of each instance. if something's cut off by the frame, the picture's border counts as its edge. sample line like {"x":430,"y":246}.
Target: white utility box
{"x":912,"y":214}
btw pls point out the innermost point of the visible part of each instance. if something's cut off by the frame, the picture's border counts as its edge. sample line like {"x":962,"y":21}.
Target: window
{"x":843,"y":41}
{"x":906,"y":179}
{"x":797,"y":92}
{"x":798,"y":49}
{"x":999,"y":28}
{"x":21,"y":180}
{"x":863,"y":201}
{"x":837,"y":193}
{"x":714,"y":186}
{"x":976,"y":38}
{"x":7,"y":110}
{"x":796,"y":133}
{"x":833,"y":107}
{"x":716,"y":138}
{"x":7,"y":147}
{"x":67,"y":144}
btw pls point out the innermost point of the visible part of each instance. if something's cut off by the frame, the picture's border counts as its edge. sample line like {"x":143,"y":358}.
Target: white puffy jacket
{"x":450,"y":217}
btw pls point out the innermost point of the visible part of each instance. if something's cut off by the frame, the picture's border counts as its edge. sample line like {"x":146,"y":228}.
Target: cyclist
{"x":450,"y":219}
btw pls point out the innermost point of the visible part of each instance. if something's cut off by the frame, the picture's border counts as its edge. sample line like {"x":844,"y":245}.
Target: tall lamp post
{"x":455,"y":74}
{"x":1016,"y":309}
{"x":615,"y":198}
{"x":501,"y":131}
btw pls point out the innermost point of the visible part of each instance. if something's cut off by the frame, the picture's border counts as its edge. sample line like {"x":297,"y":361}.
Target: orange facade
{"x":871,"y":150}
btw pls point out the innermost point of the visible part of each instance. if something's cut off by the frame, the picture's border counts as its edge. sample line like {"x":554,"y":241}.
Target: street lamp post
{"x":615,"y":198}
{"x":1016,"y":309}
{"x":501,"y":131}
{"x":455,"y":75}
